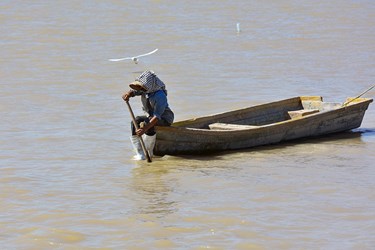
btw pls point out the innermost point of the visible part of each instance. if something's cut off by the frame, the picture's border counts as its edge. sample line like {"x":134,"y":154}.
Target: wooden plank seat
{"x":227,"y":126}
{"x":301,"y":113}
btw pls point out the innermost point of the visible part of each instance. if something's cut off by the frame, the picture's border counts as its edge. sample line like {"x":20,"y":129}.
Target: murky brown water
{"x":66,"y":178}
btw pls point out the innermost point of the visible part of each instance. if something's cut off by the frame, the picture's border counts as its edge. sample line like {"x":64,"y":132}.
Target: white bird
{"x":238,"y":28}
{"x":134,"y":58}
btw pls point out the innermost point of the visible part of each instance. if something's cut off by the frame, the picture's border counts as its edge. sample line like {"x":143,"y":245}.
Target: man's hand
{"x":143,"y":129}
{"x":127,"y":95}
{"x":140,"y":131}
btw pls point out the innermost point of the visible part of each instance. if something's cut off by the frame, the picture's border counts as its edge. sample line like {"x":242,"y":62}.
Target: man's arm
{"x":131,"y":93}
{"x":149,"y":125}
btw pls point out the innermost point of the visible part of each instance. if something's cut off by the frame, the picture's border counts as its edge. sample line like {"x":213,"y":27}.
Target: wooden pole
{"x":140,"y":137}
{"x":364,"y":92}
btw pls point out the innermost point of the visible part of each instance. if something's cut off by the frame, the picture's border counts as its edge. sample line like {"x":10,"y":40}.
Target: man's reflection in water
{"x":152,"y":189}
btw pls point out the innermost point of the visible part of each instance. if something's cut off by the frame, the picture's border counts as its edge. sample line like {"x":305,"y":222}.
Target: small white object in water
{"x":134,"y":58}
{"x":238,"y":28}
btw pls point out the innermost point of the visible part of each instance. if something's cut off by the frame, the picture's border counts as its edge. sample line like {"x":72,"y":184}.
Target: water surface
{"x":67,"y":180}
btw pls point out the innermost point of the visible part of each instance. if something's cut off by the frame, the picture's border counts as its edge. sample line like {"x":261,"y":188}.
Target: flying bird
{"x":134,"y":58}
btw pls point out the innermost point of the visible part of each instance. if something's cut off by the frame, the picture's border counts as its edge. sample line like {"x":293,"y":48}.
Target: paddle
{"x":140,"y":137}
{"x":364,"y":92}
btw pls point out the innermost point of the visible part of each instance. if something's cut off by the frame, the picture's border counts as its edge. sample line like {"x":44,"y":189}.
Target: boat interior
{"x":260,"y":115}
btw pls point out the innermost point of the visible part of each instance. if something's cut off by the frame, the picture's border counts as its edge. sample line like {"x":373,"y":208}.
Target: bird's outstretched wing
{"x":132,"y":58}
{"x":121,"y":59}
{"x":149,"y":53}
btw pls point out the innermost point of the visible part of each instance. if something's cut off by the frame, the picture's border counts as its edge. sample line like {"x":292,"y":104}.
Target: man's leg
{"x":135,"y":139}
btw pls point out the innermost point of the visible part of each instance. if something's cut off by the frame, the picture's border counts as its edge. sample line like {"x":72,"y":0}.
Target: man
{"x":154,"y":100}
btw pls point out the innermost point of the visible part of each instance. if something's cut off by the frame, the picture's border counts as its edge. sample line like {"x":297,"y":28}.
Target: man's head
{"x":147,"y":82}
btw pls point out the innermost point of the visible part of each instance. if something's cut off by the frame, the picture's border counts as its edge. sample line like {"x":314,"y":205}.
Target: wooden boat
{"x":304,"y":116}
